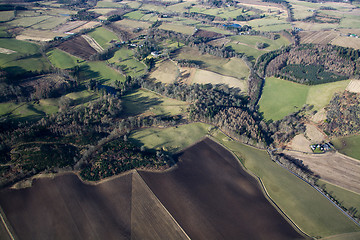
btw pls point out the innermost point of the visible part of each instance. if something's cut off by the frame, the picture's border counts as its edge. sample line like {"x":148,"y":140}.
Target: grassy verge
{"x":305,"y":206}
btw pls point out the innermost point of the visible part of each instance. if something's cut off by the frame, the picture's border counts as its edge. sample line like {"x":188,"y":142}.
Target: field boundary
{"x":263,"y":189}
{"x":6,"y":224}
{"x":158,"y":200}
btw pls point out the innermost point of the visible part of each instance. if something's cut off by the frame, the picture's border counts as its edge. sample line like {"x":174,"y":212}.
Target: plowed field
{"x":78,"y":47}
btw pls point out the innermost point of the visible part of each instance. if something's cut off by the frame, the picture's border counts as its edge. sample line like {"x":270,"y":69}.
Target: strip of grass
{"x":305,"y":206}
{"x":348,"y":199}
{"x":171,"y":139}
{"x":142,"y":101}
{"x":281,"y":97}
{"x":103,"y":36}
{"x":348,"y":146}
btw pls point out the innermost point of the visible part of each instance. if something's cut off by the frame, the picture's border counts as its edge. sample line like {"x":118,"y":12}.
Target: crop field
{"x":103,"y":36}
{"x":172,"y":139}
{"x":313,"y":213}
{"x":333,"y":168}
{"x":165,"y":71}
{"x":131,"y":66}
{"x":149,"y":103}
{"x":348,"y":198}
{"x":132,"y":23}
{"x":178,"y":28}
{"x":64,"y":206}
{"x":233,"y":67}
{"x":204,"y":77}
{"x":6,"y":16}
{"x":38,"y":35}
{"x":318,"y":37}
{"x":192,"y":191}
{"x":281,"y":97}
{"x":78,"y":47}
{"x":62,"y":59}
{"x":347,"y":42}
{"x":348,"y":145}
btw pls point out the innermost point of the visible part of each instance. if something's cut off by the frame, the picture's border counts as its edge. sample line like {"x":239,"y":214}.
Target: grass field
{"x":233,"y":67}
{"x":171,"y":139}
{"x":29,"y":111}
{"x":82,"y":97}
{"x":62,"y":59}
{"x":135,"y":15}
{"x":305,"y":206}
{"x":165,"y":71}
{"x":178,"y":28}
{"x":149,"y":103}
{"x":348,"y":146}
{"x":281,"y":97}
{"x":133,"y":24}
{"x":347,"y":198}
{"x":28,"y":21}
{"x":50,"y":23}
{"x":108,"y":4}
{"x":101,"y":72}
{"x":103,"y":36}
{"x":125,"y":57}
{"x":6,"y":16}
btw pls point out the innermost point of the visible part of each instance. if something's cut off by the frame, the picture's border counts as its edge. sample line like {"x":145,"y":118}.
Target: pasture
{"x":6,"y":16}
{"x":178,"y":28}
{"x":165,"y":71}
{"x":172,"y":139}
{"x":62,"y":59}
{"x":28,"y":21}
{"x":103,"y":36}
{"x":125,"y":57}
{"x":348,"y":145}
{"x":281,"y":97}
{"x":233,"y":67}
{"x":313,"y":213}
{"x":133,"y":24}
{"x":145,"y":102}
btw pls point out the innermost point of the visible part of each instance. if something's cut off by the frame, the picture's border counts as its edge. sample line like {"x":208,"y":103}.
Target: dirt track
{"x":333,"y":167}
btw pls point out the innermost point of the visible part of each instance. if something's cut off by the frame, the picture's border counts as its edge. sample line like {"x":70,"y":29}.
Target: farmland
{"x":166,"y":72}
{"x":62,"y":59}
{"x":78,"y":47}
{"x":125,"y":58}
{"x":187,"y":189}
{"x":103,"y":36}
{"x":281,"y":97}
{"x":348,"y":145}
{"x":146,"y":102}
{"x":172,"y":139}
{"x":313,"y":213}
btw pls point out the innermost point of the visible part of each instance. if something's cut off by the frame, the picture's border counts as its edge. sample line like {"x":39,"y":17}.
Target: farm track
{"x":93,"y":43}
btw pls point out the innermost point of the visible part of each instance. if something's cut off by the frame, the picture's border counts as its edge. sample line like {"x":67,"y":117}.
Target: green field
{"x":178,"y":28}
{"x":6,"y":16}
{"x":108,"y":4}
{"x":233,"y":67}
{"x":347,"y":198}
{"x":101,"y":72}
{"x":28,"y":21}
{"x":103,"y":36}
{"x":29,"y":111}
{"x":125,"y":57}
{"x":149,"y":103}
{"x":61,"y":59}
{"x":348,"y":146}
{"x":50,"y":23}
{"x":304,"y":205}
{"x":136,"y":15}
{"x":82,"y":97}
{"x":281,"y":97}
{"x":171,"y":139}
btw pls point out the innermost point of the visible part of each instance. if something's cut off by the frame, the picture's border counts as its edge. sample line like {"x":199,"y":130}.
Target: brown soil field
{"x":165,"y":72}
{"x":85,"y":26}
{"x":207,"y":34}
{"x":67,"y":27}
{"x":78,"y":47}
{"x":207,"y":195}
{"x":335,"y":168}
{"x":212,"y":197}
{"x":66,"y":208}
{"x":347,"y":42}
{"x":314,"y":134}
{"x":219,"y":42}
{"x":317,"y":37}
{"x":354,"y":86}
